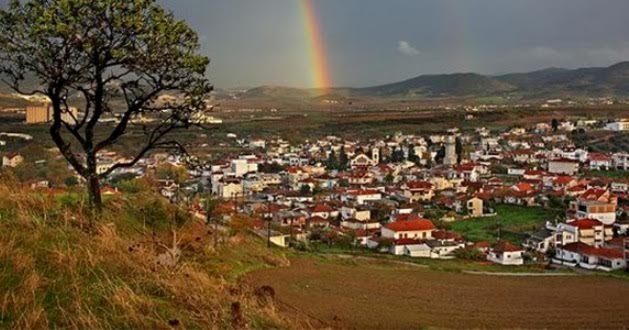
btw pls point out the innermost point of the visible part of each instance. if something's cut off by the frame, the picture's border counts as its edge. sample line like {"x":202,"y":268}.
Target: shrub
{"x":469,"y":253}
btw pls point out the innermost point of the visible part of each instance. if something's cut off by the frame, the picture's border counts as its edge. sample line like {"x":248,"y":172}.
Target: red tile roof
{"x":534,"y":172}
{"x":563,"y":179}
{"x":504,"y":246}
{"x":482,"y":245}
{"x":585,"y":223}
{"x":523,"y":186}
{"x":446,"y":235}
{"x":407,"y":217}
{"x":596,"y":156}
{"x":411,"y":225}
{"x":321,"y":208}
{"x":577,"y":188}
{"x":593,"y":194}
{"x":419,"y":185}
{"x":582,"y":248}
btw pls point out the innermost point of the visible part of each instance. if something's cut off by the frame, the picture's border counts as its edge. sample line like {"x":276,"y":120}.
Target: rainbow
{"x":319,"y":71}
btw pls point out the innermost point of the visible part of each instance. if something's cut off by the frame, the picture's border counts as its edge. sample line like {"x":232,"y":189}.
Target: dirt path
{"x":518,"y":274}
{"x":347,"y":294}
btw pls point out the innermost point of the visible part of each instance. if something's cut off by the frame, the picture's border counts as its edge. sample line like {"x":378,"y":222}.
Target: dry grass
{"x":57,"y":271}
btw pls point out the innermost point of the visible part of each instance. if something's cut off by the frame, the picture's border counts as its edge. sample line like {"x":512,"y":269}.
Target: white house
{"x":230,"y":188}
{"x":563,"y":166}
{"x":242,"y":166}
{"x":361,"y":196}
{"x":599,"y":161}
{"x":618,"y":126}
{"x":589,"y":257}
{"x":541,"y":240}
{"x":505,"y":253}
{"x":620,"y":160}
{"x":412,"y":229}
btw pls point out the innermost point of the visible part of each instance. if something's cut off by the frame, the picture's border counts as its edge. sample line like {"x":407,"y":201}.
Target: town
{"x":314,"y":164}
{"x":523,"y":195}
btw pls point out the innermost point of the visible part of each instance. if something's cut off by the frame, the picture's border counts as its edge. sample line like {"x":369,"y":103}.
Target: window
{"x":605,"y":262}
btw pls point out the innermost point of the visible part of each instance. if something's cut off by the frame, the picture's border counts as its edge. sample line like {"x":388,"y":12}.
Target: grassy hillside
{"x":57,"y":270}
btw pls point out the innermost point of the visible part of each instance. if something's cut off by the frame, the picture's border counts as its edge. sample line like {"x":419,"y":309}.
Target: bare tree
{"x":111,"y":58}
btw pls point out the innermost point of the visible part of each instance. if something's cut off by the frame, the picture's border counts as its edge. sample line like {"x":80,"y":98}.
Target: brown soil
{"x":371,"y":295}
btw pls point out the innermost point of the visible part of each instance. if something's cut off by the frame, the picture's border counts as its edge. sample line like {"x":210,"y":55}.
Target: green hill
{"x":450,"y":85}
{"x":612,"y":81}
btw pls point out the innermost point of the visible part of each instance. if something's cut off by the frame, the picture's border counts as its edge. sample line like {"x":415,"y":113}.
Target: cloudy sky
{"x":255,"y":42}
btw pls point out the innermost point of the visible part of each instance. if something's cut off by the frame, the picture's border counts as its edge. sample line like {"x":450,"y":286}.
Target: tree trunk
{"x":93,"y":184}
{"x":93,"y":189}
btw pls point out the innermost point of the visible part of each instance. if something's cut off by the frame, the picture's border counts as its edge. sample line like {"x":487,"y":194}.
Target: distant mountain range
{"x":610,"y":81}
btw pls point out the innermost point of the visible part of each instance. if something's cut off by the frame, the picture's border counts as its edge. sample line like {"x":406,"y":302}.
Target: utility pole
{"x":210,"y":219}
{"x":268,"y":233}
{"x":268,"y":217}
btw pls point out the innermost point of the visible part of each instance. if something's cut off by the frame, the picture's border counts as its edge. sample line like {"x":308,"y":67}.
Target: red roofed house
{"x":563,"y":182}
{"x":597,"y":204}
{"x":589,"y":257}
{"x":589,"y":231}
{"x":506,"y":253}
{"x":533,"y":175}
{"x":599,"y":161}
{"x":576,"y":190}
{"x":414,"y":229}
{"x":322,"y":210}
{"x":418,"y":190}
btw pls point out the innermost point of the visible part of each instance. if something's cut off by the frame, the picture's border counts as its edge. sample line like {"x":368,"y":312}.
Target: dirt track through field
{"x":365,"y":295}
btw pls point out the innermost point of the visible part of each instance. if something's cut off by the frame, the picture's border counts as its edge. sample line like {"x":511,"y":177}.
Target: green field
{"x":612,"y":174}
{"x":513,"y":222}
